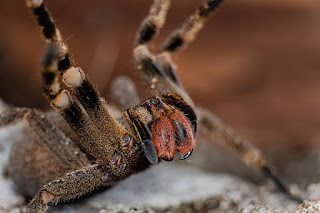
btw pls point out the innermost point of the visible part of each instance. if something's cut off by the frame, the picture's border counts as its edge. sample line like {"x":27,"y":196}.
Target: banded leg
{"x":251,"y":156}
{"x":96,"y":142}
{"x":160,"y":70}
{"x":50,"y":80}
{"x":50,"y":32}
{"x":103,"y":130}
{"x":72,"y":185}
{"x":74,"y":77}
{"x":191,"y":27}
{"x":183,"y":36}
{"x":78,"y":83}
{"x":63,"y":103}
{"x":149,"y":27}
{"x":152,"y":24}
{"x":145,"y":61}
{"x":163,"y":66}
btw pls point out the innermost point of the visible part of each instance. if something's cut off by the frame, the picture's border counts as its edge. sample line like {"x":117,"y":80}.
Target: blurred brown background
{"x":256,"y":64}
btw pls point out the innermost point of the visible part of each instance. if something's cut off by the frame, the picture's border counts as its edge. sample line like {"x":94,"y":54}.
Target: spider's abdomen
{"x":32,"y":165}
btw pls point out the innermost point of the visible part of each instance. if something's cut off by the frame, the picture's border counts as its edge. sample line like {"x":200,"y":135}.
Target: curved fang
{"x":186,"y":155}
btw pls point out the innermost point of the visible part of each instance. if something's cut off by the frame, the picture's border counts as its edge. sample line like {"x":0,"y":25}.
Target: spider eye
{"x":157,"y":103}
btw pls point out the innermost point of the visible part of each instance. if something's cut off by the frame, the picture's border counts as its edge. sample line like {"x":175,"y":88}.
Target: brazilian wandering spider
{"x":91,"y":147}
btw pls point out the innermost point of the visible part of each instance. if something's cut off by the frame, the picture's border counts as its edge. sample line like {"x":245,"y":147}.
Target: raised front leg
{"x":81,"y":104}
{"x":160,"y":73}
{"x":70,"y":186}
{"x":159,"y":81}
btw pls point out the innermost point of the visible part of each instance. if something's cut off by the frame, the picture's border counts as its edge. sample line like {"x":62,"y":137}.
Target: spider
{"x":85,"y":145}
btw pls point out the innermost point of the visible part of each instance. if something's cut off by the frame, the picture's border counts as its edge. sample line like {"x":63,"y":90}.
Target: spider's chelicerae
{"x":90,"y":146}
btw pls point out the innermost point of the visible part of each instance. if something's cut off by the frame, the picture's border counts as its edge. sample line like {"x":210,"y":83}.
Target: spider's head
{"x":165,"y":126}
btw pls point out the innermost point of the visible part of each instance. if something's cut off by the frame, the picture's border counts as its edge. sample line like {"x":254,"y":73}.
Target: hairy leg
{"x":42,"y":154}
{"x":251,"y":156}
{"x":49,"y":134}
{"x":160,"y":71}
{"x":152,"y":24}
{"x":80,"y":102}
{"x":72,"y":185}
{"x":184,"y":36}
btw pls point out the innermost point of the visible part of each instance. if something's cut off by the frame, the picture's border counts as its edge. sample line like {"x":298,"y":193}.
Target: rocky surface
{"x":308,"y":206}
{"x":168,"y":187}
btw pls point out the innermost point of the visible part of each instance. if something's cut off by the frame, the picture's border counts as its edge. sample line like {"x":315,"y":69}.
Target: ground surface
{"x":165,"y":187}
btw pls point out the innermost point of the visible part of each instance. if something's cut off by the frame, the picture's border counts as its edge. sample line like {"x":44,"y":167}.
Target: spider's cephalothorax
{"x":165,"y":125}
{"x":90,"y":145}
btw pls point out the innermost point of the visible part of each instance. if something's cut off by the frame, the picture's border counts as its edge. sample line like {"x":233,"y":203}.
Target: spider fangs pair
{"x":64,"y":157}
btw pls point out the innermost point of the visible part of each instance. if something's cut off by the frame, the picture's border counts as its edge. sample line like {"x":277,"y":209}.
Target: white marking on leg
{"x":141,"y":53}
{"x":55,"y":87}
{"x":72,"y":77}
{"x":62,"y":100}
{"x":34,"y":3}
{"x":46,"y":197}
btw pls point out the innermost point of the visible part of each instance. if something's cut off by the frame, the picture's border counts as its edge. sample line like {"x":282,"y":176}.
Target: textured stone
{"x":167,"y":187}
{"x":309,"y":207}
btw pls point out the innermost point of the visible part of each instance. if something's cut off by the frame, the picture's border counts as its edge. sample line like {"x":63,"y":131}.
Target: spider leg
{"x":77,"y":81}
{"x":47,"y":133}
{"x":163,"y":66}
{"x":160,"y":69}
{"x":160,"y":74}
{"x":251,"y":156}
{"x":149,"y":27}
{"x":72,"y":185}
{"x":152,"y":24}
{"x":161,"y":85}
{"x":12,"y":116}
{"x":88,"y":117}
{"x":44,"y":149}
{"x":190,"y":28}
{"x":100,"y":134}
{"x":182,"y":37}
{"x":50,"y":32}
{"x":50,"y":80}
{"x":64,"y":103}
{"x":157,"y":79}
